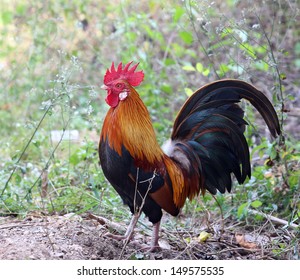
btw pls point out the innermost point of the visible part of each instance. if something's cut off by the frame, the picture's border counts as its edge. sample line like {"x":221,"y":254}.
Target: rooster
{"x":207,"y":145}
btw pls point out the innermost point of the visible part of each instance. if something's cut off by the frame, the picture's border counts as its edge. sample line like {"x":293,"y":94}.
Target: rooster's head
{"x":118,"y":82}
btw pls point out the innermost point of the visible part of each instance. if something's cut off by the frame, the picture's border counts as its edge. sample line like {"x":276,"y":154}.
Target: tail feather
{"x":234,"y":90}
{"x":219,"y":135}
{"x":192,"y":121}
{"x":212,"y":125}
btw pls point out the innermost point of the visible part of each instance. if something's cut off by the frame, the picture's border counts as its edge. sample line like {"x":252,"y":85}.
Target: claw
{"x":151,"y":249}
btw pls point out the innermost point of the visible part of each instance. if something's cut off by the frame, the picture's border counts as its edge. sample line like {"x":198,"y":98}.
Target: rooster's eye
{"x":118,"y":85}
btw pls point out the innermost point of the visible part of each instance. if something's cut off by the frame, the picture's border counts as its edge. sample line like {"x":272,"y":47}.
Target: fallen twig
{"x":105,"y":222}
{"x":274,"y":219}
{"x":14,"y":225}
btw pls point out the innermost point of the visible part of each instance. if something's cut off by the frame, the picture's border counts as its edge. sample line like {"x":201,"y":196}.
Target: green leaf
{"x":74,"y":159}
{"x":248,"y":49}
{"x":293,"y":180}
{"x":226,"y":31}
{"x":131,"y":36}
{"x":282,"y":76}
{"x":36,"y":143}
{"x":21,"y":9}
{"x":169,"y":61}
{"x":206,"y":72}
{"x":6,"y":17}
{"x":199,"y":67}
{"x":188,"y":92}
{"x":18,"y":178}
{"x":178,"y":50}
{"x":242,"y":209}
{"x":189,"y":68}
{"x":187,"y":37}
{"x":179,"y":11}
{"x":289,"y":96}
{"x":256,"y":203}
{"x":166,"y":88}
{"x":158,"y":126}
{"x":223,"y":69}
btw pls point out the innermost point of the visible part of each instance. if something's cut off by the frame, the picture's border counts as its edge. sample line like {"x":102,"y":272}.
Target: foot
{"x":154,"y":246}
{"x":129,"y":232}
{"x":151,"y":248}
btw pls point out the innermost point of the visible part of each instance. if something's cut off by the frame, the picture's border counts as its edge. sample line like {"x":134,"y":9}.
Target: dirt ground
{"x":73,"y":237}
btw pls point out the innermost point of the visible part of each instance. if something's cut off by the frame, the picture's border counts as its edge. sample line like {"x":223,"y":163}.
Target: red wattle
{"x":112,"y":100}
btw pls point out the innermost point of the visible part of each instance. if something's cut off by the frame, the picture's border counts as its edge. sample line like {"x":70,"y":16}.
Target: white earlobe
{"x":123,"y":95}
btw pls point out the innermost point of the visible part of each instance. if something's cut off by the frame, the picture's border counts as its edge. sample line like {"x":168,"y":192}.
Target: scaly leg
{"x":154,"y":239}
{"x":155,"y":236}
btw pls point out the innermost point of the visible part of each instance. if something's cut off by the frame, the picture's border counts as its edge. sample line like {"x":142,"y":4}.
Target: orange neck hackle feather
{"x":129,"y":125}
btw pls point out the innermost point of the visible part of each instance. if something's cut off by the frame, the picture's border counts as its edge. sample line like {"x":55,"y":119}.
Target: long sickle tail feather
{"x":212,"y":125}
{"x":229,"y":89}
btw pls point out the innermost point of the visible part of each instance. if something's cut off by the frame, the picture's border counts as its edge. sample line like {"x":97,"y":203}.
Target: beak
{"x":104,"y":87}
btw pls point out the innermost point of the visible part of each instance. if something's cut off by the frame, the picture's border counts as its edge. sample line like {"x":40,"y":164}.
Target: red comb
{"x":134,"y":78}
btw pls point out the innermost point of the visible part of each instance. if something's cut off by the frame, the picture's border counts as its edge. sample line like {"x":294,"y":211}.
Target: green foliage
{"x":52,"y":84}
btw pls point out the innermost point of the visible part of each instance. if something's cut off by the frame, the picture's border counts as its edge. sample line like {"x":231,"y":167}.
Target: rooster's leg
{"x":154,"y":239}
{"x":155,"y":236}
{"x":129,"y":232}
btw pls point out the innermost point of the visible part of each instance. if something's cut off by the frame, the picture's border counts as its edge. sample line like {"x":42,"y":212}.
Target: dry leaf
{"x":164,"y":244}
{"x":203,"y":236}
{"x":188,"y":239}
{"x":245,"y":241}
{"x":268,"y":174}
